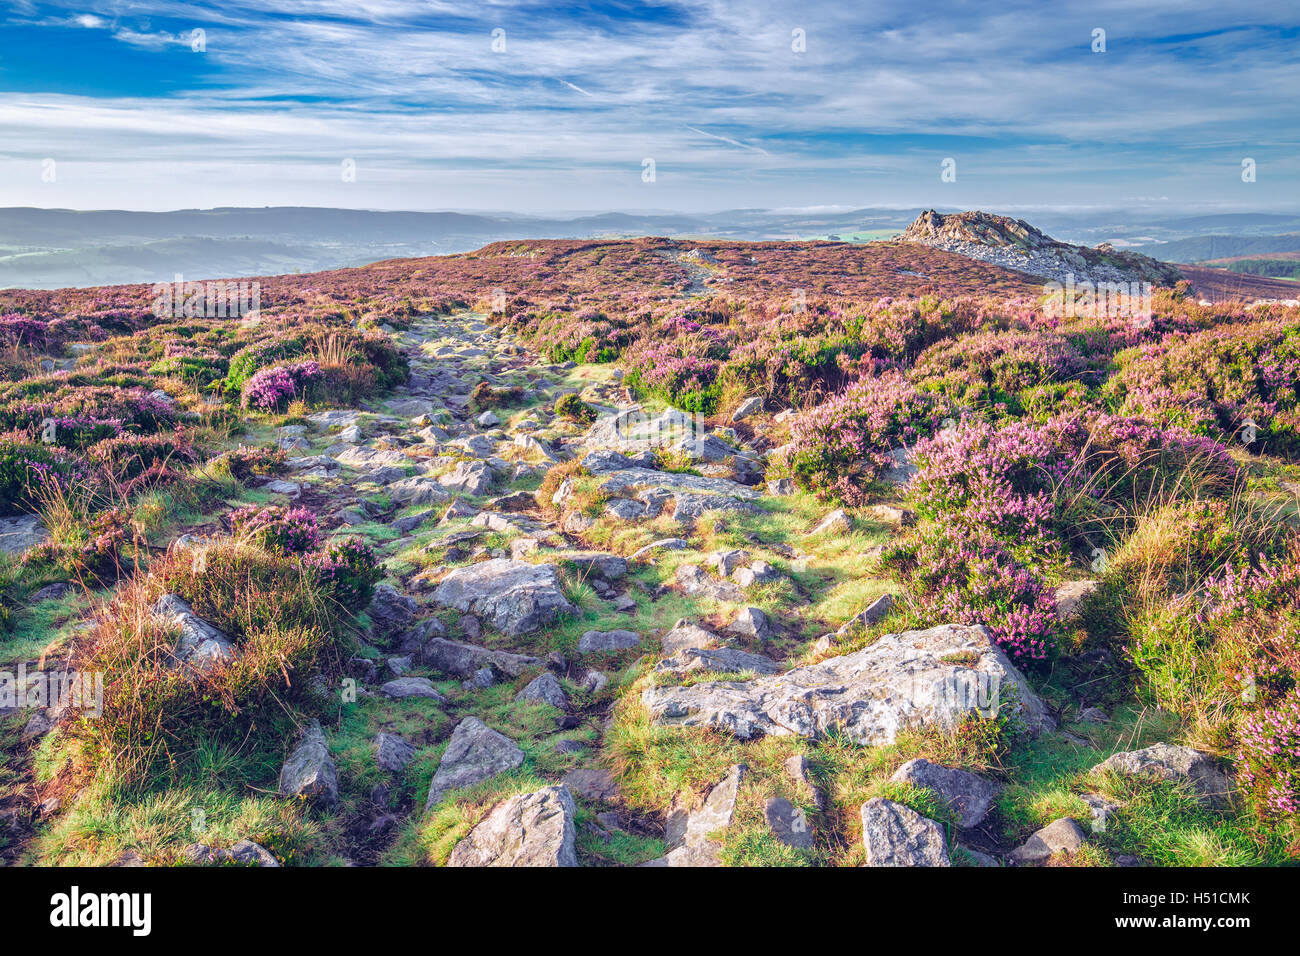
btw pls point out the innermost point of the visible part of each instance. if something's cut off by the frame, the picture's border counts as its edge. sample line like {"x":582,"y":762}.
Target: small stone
{"x":592,"y":784}
{"x":411,"y":687}
{"x":800,"y":772}
{"x":760,"y":572}
{"x":481,"y":679}
{"x":685,"y":635}
{"x":544,"y":689}
{"x":837,"y":522}
{"x":1070,"y":595}
{"x":748,"y":407}
{"x":1059,"y":836}
{"x":750,"y":622}
{"x":727,"y":561}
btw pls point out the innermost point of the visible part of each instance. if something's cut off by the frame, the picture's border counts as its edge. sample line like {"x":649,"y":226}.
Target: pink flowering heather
{"x":1268,"y":757}
{"x":843,"y":444}
{"x":972,"y":578}
{"x":289,"y":530}
{"x":269,"y":387}
{"x":1214,"y":381}
{"x":349,"y":569}
{"x":16,"y":329}
{"x":995,"y":367}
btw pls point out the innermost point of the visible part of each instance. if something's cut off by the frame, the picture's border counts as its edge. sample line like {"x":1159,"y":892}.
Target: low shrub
{"x":348,"y":570}
{"x":573,"y":408}
{"x":276,"y":528}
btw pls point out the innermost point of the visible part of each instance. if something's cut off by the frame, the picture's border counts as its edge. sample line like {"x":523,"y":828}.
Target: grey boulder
{"x":1175,"y":763}
{"x":544,"y":689}
{"x":475,"y":753}
{"x":309,"y":772}
{"x":895,"y":835}
{"x":969,"y":795}
{"x":515,"y":596}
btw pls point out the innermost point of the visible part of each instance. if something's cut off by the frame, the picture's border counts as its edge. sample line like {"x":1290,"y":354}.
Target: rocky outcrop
{"x":918,"y":679}
{"x":532,"y":829}
{"x":1015,"y":244}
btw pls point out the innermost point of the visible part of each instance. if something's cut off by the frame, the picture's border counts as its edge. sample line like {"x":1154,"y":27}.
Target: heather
{"x":842,"y":445}
{"x":1236,"y":382}
{"x":1076,"y":485}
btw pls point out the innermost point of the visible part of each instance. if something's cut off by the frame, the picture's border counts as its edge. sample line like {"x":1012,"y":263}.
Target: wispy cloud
{"x":860,"y":110}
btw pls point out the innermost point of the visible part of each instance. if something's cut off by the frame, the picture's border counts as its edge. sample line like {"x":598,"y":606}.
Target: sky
{"x":698,"y":105}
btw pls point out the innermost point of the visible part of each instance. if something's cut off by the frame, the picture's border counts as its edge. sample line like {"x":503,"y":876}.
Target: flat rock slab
{"x":516,"y":597}
{"x":532,"y":829}
{"x":1179,"y":764}
{"x":917,"y":679}
{"x":410,"y":687}
{"x":969,"y":795}
{"x":593,"y":642}
{"x":617,"y":483}
{"x":895,"y":835}
{"x":475,"y":753}
{"x":462,"y":660}
{"x":611,"y":567}
{"x":788,"y":823}
{"x":19,"y":534}
{"x":592,"y":784}
{"x":725,"y":660}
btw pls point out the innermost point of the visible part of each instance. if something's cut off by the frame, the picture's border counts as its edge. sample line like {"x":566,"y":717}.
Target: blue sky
{"x":434,"y":115}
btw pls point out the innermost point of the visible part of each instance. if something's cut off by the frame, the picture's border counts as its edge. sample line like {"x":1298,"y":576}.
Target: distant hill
{"x":1206,"y":248}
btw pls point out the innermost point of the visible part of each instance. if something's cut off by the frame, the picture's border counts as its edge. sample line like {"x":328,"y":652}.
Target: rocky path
{"x":494,"y":584}
{"x":505,"y":596}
